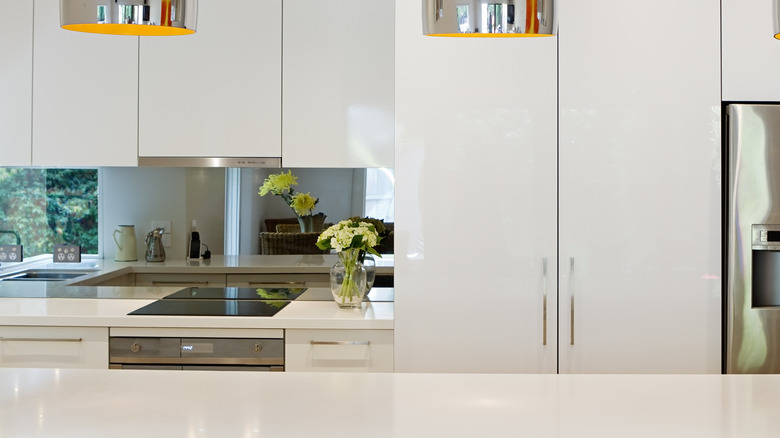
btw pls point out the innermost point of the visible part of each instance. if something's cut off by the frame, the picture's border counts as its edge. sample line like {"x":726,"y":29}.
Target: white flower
{"x":349,"y":234}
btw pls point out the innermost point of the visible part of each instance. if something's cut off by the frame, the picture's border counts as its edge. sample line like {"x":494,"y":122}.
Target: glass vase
{"x":348,"y":280}
{"x":369,"y":262}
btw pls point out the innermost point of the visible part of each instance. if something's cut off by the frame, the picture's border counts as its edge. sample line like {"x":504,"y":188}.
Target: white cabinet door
{"x":338,"y":81}
{"x":639,"y":188}
{"x":54,"y":347}
{"x":339,"y":350}
{"x":16,"y":24}
{"x":751,"y":54}
{"x":85,"y":95}
{"x":476,"y":211}
{"x":216,"y":92}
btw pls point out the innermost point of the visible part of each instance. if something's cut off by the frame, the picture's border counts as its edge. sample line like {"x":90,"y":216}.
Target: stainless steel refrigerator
{"x":752,"y":241}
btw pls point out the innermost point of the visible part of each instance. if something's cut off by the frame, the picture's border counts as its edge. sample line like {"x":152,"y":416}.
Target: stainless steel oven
{"x":181,"y":353}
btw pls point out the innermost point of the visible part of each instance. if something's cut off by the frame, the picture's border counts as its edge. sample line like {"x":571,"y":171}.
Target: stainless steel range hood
{"x":209,"y":162}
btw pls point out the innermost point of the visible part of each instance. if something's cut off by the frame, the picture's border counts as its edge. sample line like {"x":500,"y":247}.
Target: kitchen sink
{"x":44,"y":275}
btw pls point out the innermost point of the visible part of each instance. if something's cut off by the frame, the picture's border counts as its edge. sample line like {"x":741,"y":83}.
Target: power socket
{"x":166,"y":236}
{"x":11,"y":253}
{"x":67,"y":254}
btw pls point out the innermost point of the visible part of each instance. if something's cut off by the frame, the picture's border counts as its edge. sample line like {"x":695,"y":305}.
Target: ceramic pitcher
{"x":125,"y":243}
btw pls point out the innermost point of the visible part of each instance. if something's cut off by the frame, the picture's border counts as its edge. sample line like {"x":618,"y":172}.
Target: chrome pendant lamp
{"x":489,"y":18}
{"x":130,"y":17}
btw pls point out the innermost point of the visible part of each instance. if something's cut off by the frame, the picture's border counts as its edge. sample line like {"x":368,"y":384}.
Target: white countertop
{"x":143,"y":403}
{"x":26,"y":303}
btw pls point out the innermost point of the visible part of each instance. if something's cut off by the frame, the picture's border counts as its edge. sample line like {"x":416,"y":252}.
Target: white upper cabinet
{"x":16,"y":24}
{"x":751,"y":54}
{"x":338,"y":81}
{"x":216,"y":92}
{"x":640,"y":187}
{"x":475,"y":245}
{"x":85,"y":99}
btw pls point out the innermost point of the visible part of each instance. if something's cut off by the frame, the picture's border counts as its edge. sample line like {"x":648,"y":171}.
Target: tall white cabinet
{"x":475,"y":247}
{"x":604,"y":162}
{"x":216,"y":92}
{"x":338,"y":83}
{"x":639,"y":187}
{"x":16,"y":25}
{"x":751,"y":54}
{"x":85,"y":95}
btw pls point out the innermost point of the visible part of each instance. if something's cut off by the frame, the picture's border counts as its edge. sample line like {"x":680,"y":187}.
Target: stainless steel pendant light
{"x":130,"y":17}
{"x":489,"y":18}
{"x":776,"y":16}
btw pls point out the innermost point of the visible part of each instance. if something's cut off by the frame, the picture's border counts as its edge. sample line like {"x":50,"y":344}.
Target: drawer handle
{"x":40,"y":339}
{"x":289,"y":283}
{"x":182,"y":282}
{"x":340,"y":342}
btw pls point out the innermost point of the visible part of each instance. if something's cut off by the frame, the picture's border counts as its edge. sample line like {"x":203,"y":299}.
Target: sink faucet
{"x":18,"y":239}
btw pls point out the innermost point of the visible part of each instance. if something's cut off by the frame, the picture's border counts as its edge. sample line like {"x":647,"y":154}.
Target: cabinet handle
{"x":183,"y":283}
{"x":544,"y":302}
{"x":40,"y":339}
{"x":571,"y":296}
{"x":287,"y":283}
{"x":340,"y":342}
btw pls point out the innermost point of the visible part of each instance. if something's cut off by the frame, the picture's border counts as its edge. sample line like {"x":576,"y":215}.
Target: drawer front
{"x":339,"y":350}
{"x":184,"y":280}
{"x":54,"y":347}
{"x":278,"y":280}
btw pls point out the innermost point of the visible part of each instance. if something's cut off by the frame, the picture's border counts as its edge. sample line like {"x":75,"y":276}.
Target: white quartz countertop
{"x":30,"y":303}
{"x":146,"y":403}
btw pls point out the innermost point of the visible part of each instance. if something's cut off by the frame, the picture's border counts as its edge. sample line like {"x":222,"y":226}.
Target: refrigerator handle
{"x":544,"y":300}
{"x":571,"y":298}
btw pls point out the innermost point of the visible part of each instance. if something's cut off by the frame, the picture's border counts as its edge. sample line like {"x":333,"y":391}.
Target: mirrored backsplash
{"x":187,"y":197}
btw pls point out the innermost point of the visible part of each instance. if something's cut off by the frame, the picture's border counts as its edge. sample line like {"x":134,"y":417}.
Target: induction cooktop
{"x":222,"y":301}
{"x":201,"y":307}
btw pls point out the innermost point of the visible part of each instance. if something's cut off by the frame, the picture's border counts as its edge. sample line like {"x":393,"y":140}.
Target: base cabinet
{"x":54,"y":347}
{"x":278,"y":280}
{"x":183,"y":280}
{"x":339,"y":350}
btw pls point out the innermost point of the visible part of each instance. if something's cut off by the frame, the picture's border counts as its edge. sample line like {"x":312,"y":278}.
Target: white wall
{"x":136,"y":196}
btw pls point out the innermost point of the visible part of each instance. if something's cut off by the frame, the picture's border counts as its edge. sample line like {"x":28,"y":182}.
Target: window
{"x":44,"y":207}
{"x":462,"y":12}
{"x":380,"y":194}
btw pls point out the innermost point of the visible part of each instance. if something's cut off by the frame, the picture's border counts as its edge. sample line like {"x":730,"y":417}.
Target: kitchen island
{"x":86,"y":301}
{"x":135,"y":403}
{"x":70,"y":324}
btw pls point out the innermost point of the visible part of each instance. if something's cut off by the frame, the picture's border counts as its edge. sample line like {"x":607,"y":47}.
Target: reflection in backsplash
{"x":342,"y":192}
{"x":138,"y":196}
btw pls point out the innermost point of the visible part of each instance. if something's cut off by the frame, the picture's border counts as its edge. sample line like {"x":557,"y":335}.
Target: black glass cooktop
{"x":222,"y":301}
{"x":236,"y":293}
{"x":200,"y":307}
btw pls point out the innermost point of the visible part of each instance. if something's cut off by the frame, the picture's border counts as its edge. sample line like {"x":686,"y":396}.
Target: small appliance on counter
{"x":125,"y":244}
{"x":154,"y":246}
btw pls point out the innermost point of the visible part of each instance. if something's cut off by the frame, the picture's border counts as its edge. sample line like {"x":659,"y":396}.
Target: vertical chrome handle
{"x":544,"y":301}
{"x":571,"y":297}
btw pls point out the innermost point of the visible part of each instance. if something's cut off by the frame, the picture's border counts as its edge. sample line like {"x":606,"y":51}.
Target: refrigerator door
{"x":753,"y":321}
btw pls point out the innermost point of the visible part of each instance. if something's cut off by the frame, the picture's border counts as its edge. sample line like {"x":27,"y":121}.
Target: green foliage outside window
{"x":49,"y":206}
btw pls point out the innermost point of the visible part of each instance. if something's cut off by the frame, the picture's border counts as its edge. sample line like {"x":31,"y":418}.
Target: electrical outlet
{"x":166,"y":236}
{"x":67,"y":254}
{"x":11,"y":253}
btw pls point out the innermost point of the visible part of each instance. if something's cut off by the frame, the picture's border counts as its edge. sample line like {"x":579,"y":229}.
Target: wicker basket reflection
{"x":289,"y":243}
{"x":288,"y":228}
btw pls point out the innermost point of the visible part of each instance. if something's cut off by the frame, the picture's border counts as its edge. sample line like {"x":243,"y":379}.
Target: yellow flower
{"x":278,"y":183}
{"x":303,"y":204}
